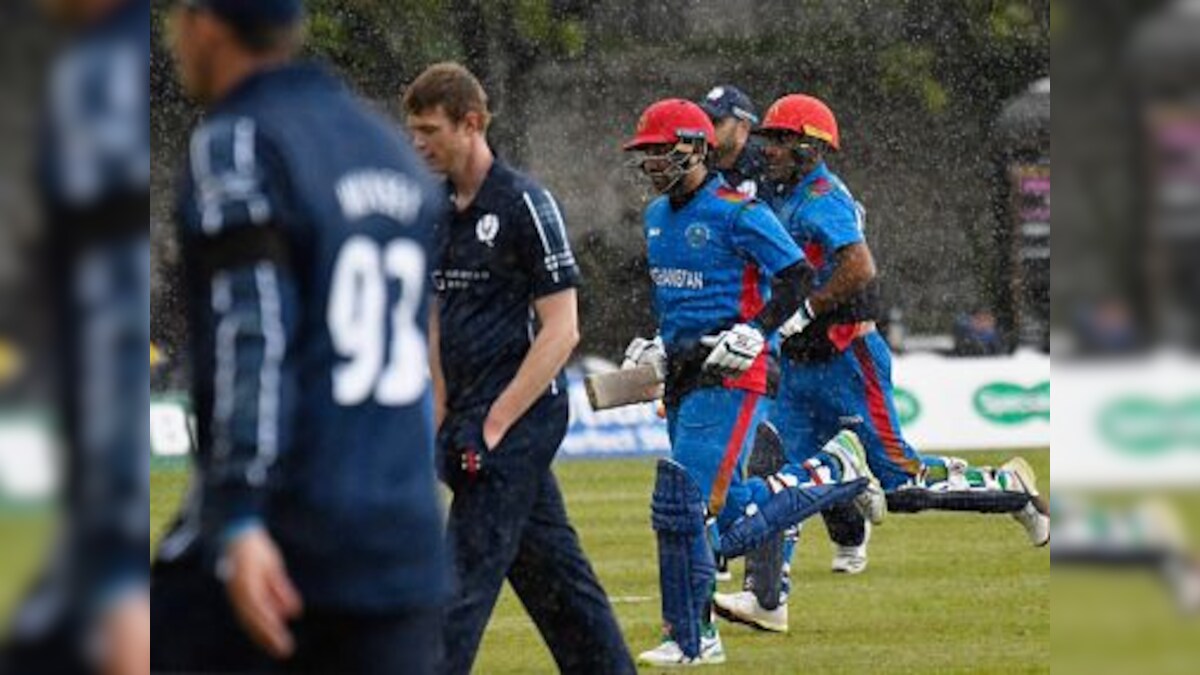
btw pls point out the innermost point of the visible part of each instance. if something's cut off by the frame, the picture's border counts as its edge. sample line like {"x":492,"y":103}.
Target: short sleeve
{"x":760,"y":237}
{"x":544,"y":246}
{"x":836,"y":223}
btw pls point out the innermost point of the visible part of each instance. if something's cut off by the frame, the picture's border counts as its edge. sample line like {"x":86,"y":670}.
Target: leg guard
{"x":915,"y":499}
{"x":686,"y":570}
{"x":786,"y":508}
{"x":764,"y":565}
{"x":846,"y":525}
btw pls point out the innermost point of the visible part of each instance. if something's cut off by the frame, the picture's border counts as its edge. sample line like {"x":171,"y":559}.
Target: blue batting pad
{"x":686,"y":569}
{"x":785,"y":509}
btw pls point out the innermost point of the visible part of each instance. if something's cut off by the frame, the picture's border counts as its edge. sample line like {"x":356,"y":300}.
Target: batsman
{"x":726,"y":275}
{"x":836,"y":372}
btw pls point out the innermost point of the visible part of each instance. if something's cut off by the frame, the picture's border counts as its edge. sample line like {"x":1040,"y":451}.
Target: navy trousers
{"x":508,"y":521}
{"x":196,"y":630}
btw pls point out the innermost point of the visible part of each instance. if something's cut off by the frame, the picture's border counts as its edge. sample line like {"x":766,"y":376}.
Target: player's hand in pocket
{"x":261,"y":592}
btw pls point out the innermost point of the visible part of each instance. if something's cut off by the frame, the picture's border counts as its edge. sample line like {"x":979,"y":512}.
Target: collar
{"x":713,"y":179}
{"x":288,"y":76}
{"x":491,"y":194}
{"x":821,"y":171}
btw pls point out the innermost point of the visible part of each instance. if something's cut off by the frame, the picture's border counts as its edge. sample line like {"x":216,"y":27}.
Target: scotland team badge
{"x":487,"y":228}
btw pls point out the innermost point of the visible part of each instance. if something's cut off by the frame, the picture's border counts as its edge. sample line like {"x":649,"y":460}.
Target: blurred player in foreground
{"x":311,"y":540}
{"x":837,"y":367}
{"x":90,"y":611}
{"x":506,"y":322}
{"x":726,"y":275}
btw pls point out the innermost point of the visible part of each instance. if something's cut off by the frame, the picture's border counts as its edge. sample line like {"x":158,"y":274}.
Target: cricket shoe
{"x":669,"y":655}
{"x":852,"y":559}
{"x":1035,"y":516}
{"x":744,"y":608}
{"x":871,"y":502}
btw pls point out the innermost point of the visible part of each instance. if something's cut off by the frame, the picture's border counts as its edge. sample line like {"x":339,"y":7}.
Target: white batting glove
{"x":797,"y":322}
{"x":734,"y":350}
{"x":643,"y":352}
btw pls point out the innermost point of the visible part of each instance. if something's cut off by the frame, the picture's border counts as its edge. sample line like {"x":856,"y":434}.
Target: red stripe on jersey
{"x":733,"y":450}
{"x":754,"y":379}
{"x":881,"y":419}
{"x":751,"y":300}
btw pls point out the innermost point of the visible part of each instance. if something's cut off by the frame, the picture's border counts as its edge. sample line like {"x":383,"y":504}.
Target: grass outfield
{"x":945,"y":592}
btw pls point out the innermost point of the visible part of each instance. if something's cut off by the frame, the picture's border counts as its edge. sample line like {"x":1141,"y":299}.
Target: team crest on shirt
{"x":487,"y":228}
{"x":697,"y":235}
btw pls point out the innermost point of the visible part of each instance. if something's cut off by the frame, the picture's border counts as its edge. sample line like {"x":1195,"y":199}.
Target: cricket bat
{"x":623,"y":387}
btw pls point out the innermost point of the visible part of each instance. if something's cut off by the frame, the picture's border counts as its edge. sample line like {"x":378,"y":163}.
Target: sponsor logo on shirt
{"x":457,"y":280}
{"x":671,"y":277}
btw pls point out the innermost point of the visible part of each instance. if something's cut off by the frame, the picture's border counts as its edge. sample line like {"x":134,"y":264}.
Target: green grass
{"x":945,"y":593}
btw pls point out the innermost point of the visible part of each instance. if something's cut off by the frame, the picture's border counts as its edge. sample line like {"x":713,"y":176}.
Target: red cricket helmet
{"x":804,"y":115}
{"x":670,"y":121}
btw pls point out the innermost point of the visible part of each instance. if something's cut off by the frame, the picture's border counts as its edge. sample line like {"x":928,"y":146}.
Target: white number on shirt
{"x":394,"y":374}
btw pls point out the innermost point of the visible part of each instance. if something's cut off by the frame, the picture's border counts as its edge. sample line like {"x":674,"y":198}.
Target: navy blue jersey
{"x":306,"y":223}
{"x":748,"y":175}
{"x":94,"y":172}
{"x":711,"y":263}
{"x":498,"y":256}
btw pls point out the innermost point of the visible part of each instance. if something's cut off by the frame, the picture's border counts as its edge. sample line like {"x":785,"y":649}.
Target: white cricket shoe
{"x":743,"y":608}
{"x":669,"y":655}
{"x":871,"y":502}
{"x":851,"y":559}
{"x":1035,"y":517}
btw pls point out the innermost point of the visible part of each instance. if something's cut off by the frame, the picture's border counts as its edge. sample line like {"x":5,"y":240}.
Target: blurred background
{"x":919,"y":88}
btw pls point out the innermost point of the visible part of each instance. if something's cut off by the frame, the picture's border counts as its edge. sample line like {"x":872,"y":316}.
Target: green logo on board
{"x":1144,"y":425}
{"x":907,"y":406}
{"x":1008,"y":404}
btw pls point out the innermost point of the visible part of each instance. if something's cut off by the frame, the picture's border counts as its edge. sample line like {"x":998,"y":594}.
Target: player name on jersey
{"x":677,"y":278}
{"x":377,"y":192}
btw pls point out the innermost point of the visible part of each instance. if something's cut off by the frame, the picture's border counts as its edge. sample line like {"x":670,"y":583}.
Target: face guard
{"x":666,"y":166}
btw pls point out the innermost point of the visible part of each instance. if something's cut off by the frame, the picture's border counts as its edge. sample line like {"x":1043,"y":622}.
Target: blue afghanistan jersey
{"x":307,"y":223}
{"x":94,"y":172}
{"x":711,"y":262}
{"x":506,"y":250}
{"x":823,"y":217}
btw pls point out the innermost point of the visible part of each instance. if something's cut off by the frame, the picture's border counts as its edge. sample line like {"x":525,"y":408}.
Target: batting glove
{"x":643,"y":352}
{"x":796,"y":324}
{"x":733,"y":350}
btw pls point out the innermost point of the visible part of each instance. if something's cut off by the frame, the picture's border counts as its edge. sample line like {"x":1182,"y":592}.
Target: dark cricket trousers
{"x":508,"y":520}
{"x":196,"y":631}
